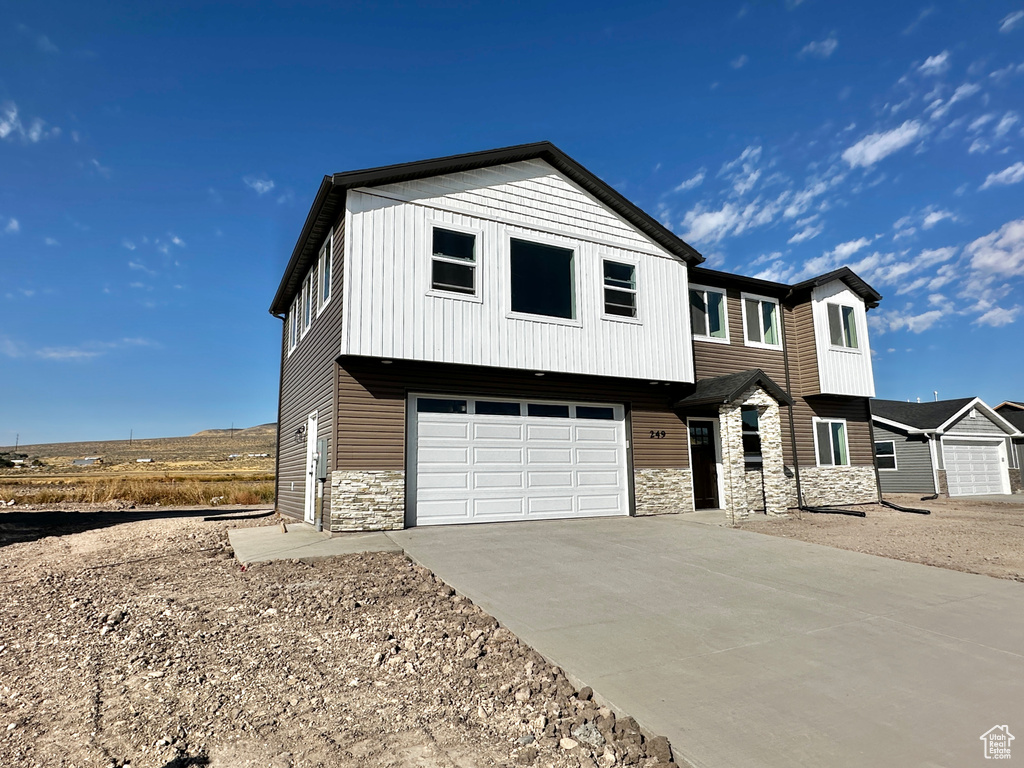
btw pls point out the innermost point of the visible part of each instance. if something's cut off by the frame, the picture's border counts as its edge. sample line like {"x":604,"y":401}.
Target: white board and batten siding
{"x":391,"y":311}
{"x":842,"y":371}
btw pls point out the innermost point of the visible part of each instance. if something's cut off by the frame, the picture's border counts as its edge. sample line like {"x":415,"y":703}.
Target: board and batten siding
{"x":307,"y":385}
{"x":841,"y":371}
{"x":913,"y":473}
{"x":372,"y":401}
{"x":392,"y":313}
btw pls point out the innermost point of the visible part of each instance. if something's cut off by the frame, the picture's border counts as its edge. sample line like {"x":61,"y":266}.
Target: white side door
{"x":310,"y":503}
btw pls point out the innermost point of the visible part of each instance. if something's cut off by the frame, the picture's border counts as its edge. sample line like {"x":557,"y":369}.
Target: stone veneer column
{"x":367,"y":500}
{"x":734,"y":481}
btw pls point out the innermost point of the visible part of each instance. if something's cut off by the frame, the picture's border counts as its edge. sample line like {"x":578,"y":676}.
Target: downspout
{"x":874,"y":458}
{"x":280,"y":394}
{"x":792,"y":424}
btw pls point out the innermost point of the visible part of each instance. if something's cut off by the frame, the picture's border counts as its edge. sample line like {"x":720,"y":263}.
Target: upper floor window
{"x":619,"y":289}
{"x":308,"y":299}
{"x":830,"y":443}
{"x":453,"y":265}
{"x":761,"y":319}
{"x":293,"y":325}
{"x":842,"y":326}
{"x":325,"y":272}
{"x":708,"y":314}
{"x":751,"y":435}
{"x":885,"y":454}
{"x":543,"y":279}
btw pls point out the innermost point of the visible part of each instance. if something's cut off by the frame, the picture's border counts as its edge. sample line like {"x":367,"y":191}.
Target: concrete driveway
{"x":752,"y":650}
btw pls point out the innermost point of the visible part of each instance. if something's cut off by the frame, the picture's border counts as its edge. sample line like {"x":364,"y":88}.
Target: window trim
{"x":478,"y":242}
{"x":846,"y":438}
{"x":856,"y":330}
{"x":576,"y":320}
{"x":727,"y":339}
{"x":306,"y":298}
{"x":292,"y":326}
{"x":895,"y":461}
{"x":322,"y":302}
{"x":751,"y":462}
{"x":635,"y":264}
{"x":744,"y":297}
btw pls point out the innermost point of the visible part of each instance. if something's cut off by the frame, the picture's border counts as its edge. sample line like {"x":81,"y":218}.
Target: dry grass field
{"x":179,"y":470}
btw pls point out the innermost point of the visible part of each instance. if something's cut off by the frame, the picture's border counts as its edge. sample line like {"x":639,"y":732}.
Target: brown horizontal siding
{"x":712,"y":359}
{"x":372,"y":397}
{"x":804,"y":353}
{"x":858,"y":427}
{"x":307,"y":384}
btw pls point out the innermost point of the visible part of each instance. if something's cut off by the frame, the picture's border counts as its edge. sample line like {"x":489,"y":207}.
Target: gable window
{"x":325,"y":272}
{"x":751,"y":436}
{"x":543,"y":279}
{"x":761,"y":322}
{"x":830,"y":443}
{"x":885,"y":454}
{"x":453,"y":264}
{"x":708,"y":314}
{"x":842,"y":326}
{"x":619,"y":289}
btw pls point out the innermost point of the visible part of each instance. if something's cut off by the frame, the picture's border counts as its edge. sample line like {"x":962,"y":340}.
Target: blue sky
{"x":157,"y":162}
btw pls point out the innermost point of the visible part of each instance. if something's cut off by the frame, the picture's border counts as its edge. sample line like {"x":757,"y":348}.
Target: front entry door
{"x":704,"y":464}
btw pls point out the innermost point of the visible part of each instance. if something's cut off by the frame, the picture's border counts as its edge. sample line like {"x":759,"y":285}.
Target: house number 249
{"x":657,"y":434}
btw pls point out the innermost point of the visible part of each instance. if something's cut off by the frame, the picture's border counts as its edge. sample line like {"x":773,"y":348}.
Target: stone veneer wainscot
{"x":367,"y":500}
{"x":662,"y":491}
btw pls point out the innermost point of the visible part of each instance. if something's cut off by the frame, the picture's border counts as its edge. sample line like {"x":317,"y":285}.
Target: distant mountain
{"x":259,"y":429}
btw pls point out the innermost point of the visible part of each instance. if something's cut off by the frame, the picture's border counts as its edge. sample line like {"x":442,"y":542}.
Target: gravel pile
{"x":146,"y":644}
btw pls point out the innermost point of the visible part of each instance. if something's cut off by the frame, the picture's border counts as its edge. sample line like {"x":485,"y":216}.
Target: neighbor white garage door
{"x":475,"y":460}
{"x":973,"y":467}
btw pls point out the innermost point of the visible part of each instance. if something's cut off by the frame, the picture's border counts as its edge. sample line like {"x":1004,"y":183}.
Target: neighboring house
{"x":502,"y":336}
{"x":1016,"y":417}
{"x":88,"y":461}
{"x":955,"y":447}
{"x":1008,"y":406}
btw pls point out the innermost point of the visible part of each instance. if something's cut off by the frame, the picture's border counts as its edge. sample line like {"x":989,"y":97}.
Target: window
{"x":751,"y":435}
{"x":594,"y":412}
{"x":548,"y":409}
{"x":453,"y":265}
{"x":325,"y":272}
{"x":619,"y":289}
{"x":293,"y":326}
{"x":437,"y":405}
{"x":885,"y":454}
{"x":842,"y":326}
{"x":761,"y":321}
{"x":493,"y":408}
{"x":543,"y":282}
{"x":830,"y":443}
{"x":708,"y":314}
{"x":308,"y":299}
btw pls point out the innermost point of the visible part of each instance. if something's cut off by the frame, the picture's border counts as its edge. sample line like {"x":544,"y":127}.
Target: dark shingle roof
{"x":725,"y":389}
{"x":918,"y":415}
{"x":1014,"y":417}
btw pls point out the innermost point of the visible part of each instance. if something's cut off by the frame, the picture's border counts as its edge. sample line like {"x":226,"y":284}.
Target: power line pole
{"x":131,"y":435}
{"x":17,"y":437}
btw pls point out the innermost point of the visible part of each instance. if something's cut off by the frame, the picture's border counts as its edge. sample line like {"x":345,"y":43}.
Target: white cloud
{"x":999,"y":253}
{"x":86,"y":351}
{"x":1011,"y":21}
{"x":979,"y":123}
{"x":806,"y":234}
{"x":877,"y":146}
{"x":177,"y":241}
{"x":11,"y":126}
{"x":998,"y":316}
{"x":1007,"y":122}
{"x":893,"y":320}
{"x":739,"y":61}
{"x":711,"y":226}
{"x":821,"y":49}
{"x":933,"y":216}
{"x":12,"y":226}
{"x":845,"y":250}
{"x":128,"y":244}
{"x":1012,"y":175}
{"x":140,"y":267}
{"x":935,"y":65}
{"x":50,"y":241}
{"x":693,"y":182}
{"x":260,"y":185}
{"x":978,"y":145}
{"x":961,"y":93}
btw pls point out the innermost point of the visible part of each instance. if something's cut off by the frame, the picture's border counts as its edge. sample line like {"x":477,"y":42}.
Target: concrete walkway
{"x":751,"y":650}
{"x":254,"y":545}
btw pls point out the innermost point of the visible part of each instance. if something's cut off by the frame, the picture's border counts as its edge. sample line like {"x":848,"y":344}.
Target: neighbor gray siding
{"x":913,"y":472}
{"x":981,"y":425}
{"x":307,"y":385}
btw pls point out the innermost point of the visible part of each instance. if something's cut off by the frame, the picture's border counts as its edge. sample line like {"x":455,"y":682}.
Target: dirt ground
{"x":984,"y":537}
{"x":134,"y":638}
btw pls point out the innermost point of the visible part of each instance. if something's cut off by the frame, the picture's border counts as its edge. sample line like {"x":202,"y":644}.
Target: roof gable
{"x":726,"y":389}
{"x":937,"y":416}
{"x":330,"y":201}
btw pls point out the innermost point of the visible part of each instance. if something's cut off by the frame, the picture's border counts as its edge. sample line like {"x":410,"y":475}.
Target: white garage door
{"x":973,"y":468}
{"x":487,"y":460}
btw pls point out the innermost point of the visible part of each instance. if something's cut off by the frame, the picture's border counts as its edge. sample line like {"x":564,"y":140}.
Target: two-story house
{"x":502,"y":336}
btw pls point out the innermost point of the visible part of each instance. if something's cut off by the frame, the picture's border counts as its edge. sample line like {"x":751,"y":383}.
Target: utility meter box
{"x":321,"y":459}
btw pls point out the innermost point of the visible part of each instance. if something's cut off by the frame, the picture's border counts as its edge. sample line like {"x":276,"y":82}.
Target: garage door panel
{"x":557,"y":456}
{"x":491,"y":431}
{"x":472,"y":467}
{"x":541,"y":432}
{"x":974,"y":468}
{"x":498,"y":479}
